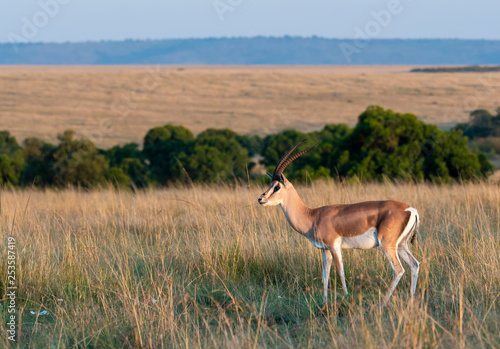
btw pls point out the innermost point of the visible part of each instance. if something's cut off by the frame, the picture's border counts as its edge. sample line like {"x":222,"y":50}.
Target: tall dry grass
{"x":228,"y":273}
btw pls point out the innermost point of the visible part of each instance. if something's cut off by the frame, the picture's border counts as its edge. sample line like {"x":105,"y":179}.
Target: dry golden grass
{"x":229,"y":273}
{"x":114,"y":105}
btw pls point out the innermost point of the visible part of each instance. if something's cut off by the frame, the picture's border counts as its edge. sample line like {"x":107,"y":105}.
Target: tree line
{"x":383,"y":145}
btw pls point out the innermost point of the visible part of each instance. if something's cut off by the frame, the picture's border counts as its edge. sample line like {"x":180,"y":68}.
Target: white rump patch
{"x":364,"y":241}
{"x":412,"y":222}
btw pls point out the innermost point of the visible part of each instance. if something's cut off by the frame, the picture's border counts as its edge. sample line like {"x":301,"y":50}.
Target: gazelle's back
{"x":350,"y":220}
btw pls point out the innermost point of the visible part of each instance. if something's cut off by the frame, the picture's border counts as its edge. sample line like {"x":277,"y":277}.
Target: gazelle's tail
{"x":414,"y":229}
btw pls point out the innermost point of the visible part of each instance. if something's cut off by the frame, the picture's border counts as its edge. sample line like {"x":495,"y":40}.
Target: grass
{"x":118,"y":104}
{"x":228,"y":273}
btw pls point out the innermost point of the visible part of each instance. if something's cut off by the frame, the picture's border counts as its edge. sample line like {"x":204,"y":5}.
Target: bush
{"x":398,"y":146}
{"x":483,"y":129}
{"x":276,"y":145}
{"x":39,"y":162}
{"x":164,"y":148}
{"x":117,"y":177}
{"x":128,"y":159}
{"x":217,"y":156}
{"x":10,"y":170}
{"x":382,"y":145}
{"x":11,"y":159}
{"x":78,"y":162}
{"x":481,"y":125}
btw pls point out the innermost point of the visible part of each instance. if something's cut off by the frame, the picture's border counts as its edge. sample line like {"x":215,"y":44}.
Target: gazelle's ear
{"x":286,"y":182}
{"x":270,"y":175}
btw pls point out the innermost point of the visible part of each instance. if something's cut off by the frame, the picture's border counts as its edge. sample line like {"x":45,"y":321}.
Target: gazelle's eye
{"x":276,"y":188}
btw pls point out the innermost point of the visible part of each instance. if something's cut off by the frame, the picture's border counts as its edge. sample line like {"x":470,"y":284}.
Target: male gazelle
{"x":364,"y":225}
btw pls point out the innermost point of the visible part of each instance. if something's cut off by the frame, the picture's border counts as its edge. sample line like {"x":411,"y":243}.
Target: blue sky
{"x":84,"y":20}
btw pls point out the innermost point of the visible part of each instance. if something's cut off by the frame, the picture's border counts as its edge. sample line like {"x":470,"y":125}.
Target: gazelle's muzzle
{"x":262,"y":200}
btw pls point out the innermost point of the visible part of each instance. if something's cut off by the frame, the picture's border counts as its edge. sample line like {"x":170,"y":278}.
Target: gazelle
{"x":364,"y":225}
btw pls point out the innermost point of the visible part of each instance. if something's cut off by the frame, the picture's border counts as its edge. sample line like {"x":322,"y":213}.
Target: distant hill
{"x":258,"y":50}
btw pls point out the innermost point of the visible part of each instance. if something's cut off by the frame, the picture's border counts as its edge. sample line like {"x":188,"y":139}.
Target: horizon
{"x":239,"y":38}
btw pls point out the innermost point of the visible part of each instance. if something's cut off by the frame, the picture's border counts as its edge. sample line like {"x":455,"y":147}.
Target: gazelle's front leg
{"x":327,"y":264}
{"x":336,"y":250}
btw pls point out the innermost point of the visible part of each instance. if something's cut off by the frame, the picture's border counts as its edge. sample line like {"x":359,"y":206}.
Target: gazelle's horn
{"x":285,"y":161}
{"x":277,"y":173}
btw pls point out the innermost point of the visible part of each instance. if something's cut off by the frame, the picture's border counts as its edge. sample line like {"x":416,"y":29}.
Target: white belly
{"x":364,"y":241}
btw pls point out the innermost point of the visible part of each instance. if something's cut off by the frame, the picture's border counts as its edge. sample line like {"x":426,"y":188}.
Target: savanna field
{"x":119,"y":104}
{"x":202,"y":266}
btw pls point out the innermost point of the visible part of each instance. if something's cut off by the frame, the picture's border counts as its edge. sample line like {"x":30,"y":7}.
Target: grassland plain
{"x":207,"y":267}
{"x":118,"y":104}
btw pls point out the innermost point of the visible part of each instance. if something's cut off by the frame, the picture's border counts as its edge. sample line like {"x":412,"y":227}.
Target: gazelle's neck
{"x":296,"y":212}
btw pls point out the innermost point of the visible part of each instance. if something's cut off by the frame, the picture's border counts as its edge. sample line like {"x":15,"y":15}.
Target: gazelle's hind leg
{"x":397,"y":268}
{"x":395,"y":245}
{"x":405,"y":254}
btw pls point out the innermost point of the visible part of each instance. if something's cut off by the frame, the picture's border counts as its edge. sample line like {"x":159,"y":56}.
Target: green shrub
{"x":39,"y":162}
{"x":78,"y":162}
{"x":217,"y":156}
{"x":117,"y":177}
{"x":10,"y":170}
{"x":129,"y":159}
{"x":11,"y":159}
{"x":164,"y":147}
